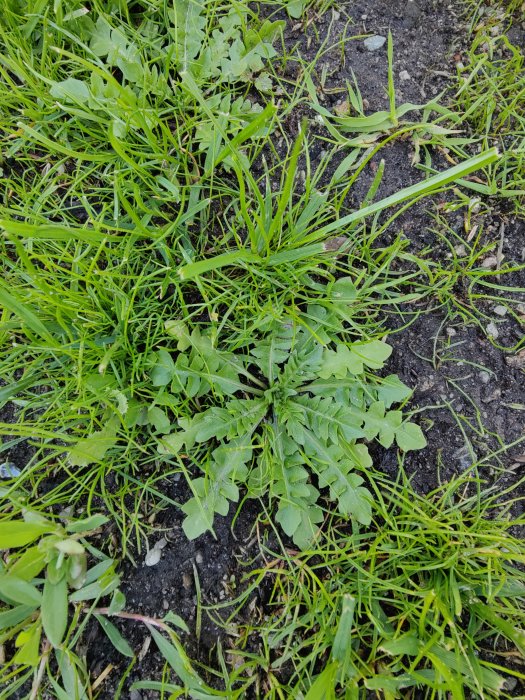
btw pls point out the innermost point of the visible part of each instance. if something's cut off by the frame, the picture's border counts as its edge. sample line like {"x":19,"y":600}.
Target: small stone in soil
{"x":492,"y":330}
{"x":373,"y":43}
{"x":490,"y":261}
{"x":404,"y":75}
{"x":8,"y":470}
{"x":485,"y":377}
{"x":500,"y":310}
{"x":152,"y":558}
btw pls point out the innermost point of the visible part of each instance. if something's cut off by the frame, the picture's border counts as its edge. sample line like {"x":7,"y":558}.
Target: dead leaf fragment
{"x":342,"y":109}
{"x":517,"y":361}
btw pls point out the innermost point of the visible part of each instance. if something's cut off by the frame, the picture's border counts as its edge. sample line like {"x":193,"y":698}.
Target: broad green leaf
{"x":381,"y":424}
{"x":29,"y":565}
{"x":189,"y":25}
{"x":56,"y":569}
{"x":76,"y":570}
{"x":114,"y":636}
{"x":87,"y":524}
{"x":54,"y":610}
{"x":71,"y":90}
{"x":28,"y":644}
{"x":373,"y":353}
{"x":389,"y":684}
{"x":409,"y":436}
{"x":212,"y":494}
{"x":405,"y":645}
{"x":359,"y":455}
{"x":392,"y":390}
{"x":13,"y":616}
{"x":173,"y":443}
{"x":70,"y":547}
{"x":72,"y":674}
{"x":103,"y":568}
{"x":176,"y":620}
{"x":334,"y":470}
{"x":163,"y":370}
{"x":175,"y":655}
{"x":19,"y":591}
{"x":343,"y":290}
{"x":298,"y":513}
{"x":289,"y":518}
{"x":295,"y":9}
{"x":327,"y":418}
{"x":199,"y":516}
{"x":354,"y":359}
{"x":342,"y":646}
{"x":324,"y":685}
{"x":178,"y":330}
{"x":17,"y":533}
{"x":103,"y":586}
{"x":94,"y":448}
{"x":118,"y":602}
{"x":338,"y":363}
{"x":159,"y":419}
{"x":264,"y":83}
{"x":240,"y":416}
{"x":101,"y":43}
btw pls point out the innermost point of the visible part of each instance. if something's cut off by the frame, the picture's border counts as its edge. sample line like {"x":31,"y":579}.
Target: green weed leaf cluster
{"x":288,"y":415}
{"x":44,"y":576}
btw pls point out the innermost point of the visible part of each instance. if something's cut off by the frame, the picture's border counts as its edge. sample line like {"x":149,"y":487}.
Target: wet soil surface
{"x":470,"y":392}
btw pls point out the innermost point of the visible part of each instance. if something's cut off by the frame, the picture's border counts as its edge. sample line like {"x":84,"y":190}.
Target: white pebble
{"x":152,"y":557}
{"x":375,"y":42}
{"x":492,"y":330}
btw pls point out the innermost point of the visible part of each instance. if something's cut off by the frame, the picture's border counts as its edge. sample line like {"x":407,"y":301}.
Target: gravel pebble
{"x":485,"y":377}
{"x":373,"y":43}
{"x":489,"y":262}
{"x":492,"y":330}
{"x":152,"y":558}
{"x":500,"y":310}
{"x":8,"y":470}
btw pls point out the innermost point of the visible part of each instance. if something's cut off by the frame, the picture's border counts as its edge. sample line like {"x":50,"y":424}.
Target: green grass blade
{"x":198,"y":268}
{"x":53,"y":232}
{"x":26,"y":314}
{"x":426,"y":187}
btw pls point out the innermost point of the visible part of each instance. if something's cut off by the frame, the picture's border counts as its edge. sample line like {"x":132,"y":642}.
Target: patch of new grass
{"x":489,"y":106}
{"x":427,"y":601}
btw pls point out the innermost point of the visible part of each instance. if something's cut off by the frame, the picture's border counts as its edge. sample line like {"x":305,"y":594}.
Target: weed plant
{"x":176,"y":299}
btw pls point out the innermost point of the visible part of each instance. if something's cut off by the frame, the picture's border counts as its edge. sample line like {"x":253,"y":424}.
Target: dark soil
{"x":459,"y":376}
{"x":209,"y":571}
